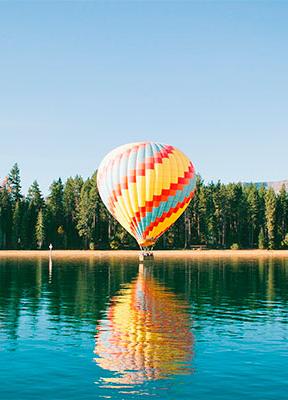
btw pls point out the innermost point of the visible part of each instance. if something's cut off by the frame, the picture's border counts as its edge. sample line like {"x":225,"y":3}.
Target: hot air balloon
{"x":146,"y":186}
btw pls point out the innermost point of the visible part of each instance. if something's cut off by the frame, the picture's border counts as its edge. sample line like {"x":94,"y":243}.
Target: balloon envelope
{"x":146,"y":186}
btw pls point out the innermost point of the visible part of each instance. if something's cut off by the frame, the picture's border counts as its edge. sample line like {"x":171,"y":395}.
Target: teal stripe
{"x":165,"y":206}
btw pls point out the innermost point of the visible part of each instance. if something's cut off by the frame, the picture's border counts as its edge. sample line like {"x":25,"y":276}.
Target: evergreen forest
{"x":73,"y":216}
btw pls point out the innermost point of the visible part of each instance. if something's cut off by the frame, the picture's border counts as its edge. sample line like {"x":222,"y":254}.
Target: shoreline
{"x":158,"y":254}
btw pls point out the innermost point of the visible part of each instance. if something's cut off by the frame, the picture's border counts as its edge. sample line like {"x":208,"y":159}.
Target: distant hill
{"x":276,"y":185}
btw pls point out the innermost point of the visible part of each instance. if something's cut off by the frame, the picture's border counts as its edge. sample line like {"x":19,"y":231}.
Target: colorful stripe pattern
{"x":146,"y":186}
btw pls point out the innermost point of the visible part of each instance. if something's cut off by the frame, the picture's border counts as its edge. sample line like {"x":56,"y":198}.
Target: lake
{"x":189,"y":329}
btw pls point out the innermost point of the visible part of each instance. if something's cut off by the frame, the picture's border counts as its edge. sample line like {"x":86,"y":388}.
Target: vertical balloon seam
{"x":158,"y":181}
{"x":107,"y":186}
{"x":159,"y":207}
{"x":146,"y":166}
{"x":148,"y":177}
{"x":139,"y":183}
{"x":143,"y":190}
{"x":124,"y":209}
{"x":118,"y":206}
{"x":136,"y":204}
{"x":106,"y":189}
{"x":132,"y":163}
{"x":179,"y":161}
{"x":110,"y":185}
{"x":154,"y":179}
{"x":135,"y":186}
{"x":133,"y":228}
{"x":140,"y":176}
{"x":121,"y":197}
{"x":176,"y":196}
{"x":184,"y":167}
{"x":171,"y":197}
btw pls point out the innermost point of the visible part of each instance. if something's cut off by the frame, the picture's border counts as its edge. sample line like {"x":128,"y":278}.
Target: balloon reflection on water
{"x":146,"y":334}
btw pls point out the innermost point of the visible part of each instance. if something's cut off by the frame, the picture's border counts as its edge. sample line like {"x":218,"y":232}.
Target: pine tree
{"x":252,"y":214}
{"x":35,"y":202}
{"x":261,"y":239}
{"x":202,"y":215}
{"x":55,"y":214}
{"x":196,"y":216}
{"x":71,"y":198}
{"x":16,"y":226}
{"x":282,"y":213}
{"x":35,"y":197}
{"x":212,"y":228}
{"x":85,"y":214}
{"x":25,"y":228}
{"x":236,"y":215}
{"x":220,"y":200}
{"x":5,"y":218}
{"x":270,"y":213}
{"x":40,"y":230}
{"x":14,"y":183}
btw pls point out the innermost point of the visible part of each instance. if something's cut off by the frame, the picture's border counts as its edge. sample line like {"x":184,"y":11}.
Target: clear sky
{"x":80,"y":78}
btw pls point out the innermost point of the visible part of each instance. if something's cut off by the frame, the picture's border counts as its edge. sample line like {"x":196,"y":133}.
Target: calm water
{"x":85,"y":329}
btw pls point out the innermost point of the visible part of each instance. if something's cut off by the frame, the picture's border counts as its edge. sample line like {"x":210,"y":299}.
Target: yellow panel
{"x":182,"y":163}
{"x":132,"y":189}
{"x":141,"y":190}
{"x":185,"y":161}
{"x":158,"y":179}
{"x":166,"y":173}
{"x":150,"y":182}
{"x":126,"y":199}
{"x":173,"y":168}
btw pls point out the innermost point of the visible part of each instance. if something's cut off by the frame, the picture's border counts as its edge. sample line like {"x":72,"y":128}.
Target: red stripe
{"x":132,"y":174}
{"x":167,"y":215}
{"x":157,"y":199}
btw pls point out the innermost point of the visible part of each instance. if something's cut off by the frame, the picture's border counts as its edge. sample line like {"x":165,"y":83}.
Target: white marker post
{"x":50,"y":262}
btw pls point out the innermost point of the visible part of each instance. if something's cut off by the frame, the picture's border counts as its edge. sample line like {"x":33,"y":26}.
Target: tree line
{"x":73,"y":216}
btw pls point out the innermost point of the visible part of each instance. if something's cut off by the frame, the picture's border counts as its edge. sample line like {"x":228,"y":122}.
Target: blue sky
{"x":79,"y":78}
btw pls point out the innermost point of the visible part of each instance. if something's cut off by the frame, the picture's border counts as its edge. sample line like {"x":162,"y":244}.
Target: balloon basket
{"x":146,"y":255}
